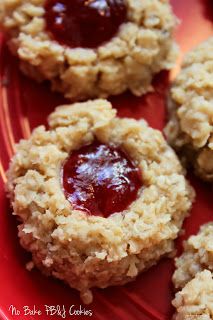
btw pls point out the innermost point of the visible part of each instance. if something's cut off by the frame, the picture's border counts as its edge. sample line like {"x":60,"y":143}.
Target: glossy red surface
{"x":83,"y":23}
{"x":24,"y":105}
{"x":100,"y":180}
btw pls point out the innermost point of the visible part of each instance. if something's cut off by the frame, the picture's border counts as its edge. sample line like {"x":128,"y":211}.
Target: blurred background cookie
{"x":190,"y":128}
{"x":91,"y":48}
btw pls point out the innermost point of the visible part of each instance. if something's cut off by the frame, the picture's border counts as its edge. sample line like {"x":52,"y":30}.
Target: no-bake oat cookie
{"x":190,"y":128}
{"x":87,"y":250}
{"x":141,"y":46}
{"x":193,"y":276}
{"x":197,"y":256}
{"x":195,"y":300}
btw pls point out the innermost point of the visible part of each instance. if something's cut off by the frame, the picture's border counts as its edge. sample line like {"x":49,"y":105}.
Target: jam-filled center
{"x":84,"y":23}
{"x":100,"y":180}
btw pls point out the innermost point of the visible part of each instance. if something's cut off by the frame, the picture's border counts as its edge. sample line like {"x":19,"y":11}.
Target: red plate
{"x":24,"y":105}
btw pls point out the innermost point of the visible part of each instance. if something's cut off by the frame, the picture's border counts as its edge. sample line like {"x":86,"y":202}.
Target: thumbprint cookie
{"x":90,"y":49}
{"x":99,"y":198}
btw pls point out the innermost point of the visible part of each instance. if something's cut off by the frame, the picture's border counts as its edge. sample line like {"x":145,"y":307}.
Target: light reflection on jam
{"x":100,"y":180}
{"x":84,"y":23}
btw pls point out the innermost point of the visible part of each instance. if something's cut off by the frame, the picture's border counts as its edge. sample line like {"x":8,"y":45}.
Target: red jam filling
{"x":84,"y":23}
{"x":100,"y":180}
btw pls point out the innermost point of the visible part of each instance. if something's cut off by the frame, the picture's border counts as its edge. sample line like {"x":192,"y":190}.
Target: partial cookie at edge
{"x":190,"y":128}
{"x":195,"y":300}
{"x":197,"y":256}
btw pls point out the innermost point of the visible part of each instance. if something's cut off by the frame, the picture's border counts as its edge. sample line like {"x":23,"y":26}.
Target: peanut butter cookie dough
{"x":197,"y":256}
{"x":87,"y":250}
{"x":141,"y":47}
{"x":195,"y":300}
{"x":190,"y":128}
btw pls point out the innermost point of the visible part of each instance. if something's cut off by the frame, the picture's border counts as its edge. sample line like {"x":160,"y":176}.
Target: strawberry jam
{"x":84,"y":23}
{"x":100,"y":180}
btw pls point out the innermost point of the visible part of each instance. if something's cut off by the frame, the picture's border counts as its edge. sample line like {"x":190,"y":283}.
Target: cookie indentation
{"x":100,"y":180}
{"x":84,"y":23}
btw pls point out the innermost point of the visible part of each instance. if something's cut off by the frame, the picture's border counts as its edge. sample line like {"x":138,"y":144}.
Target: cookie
{"x":197,"y":256}
{"x":195,"y":300}
{"x":99,"y":198}
{"x":190,"y":128}
{"x":87,"y":63}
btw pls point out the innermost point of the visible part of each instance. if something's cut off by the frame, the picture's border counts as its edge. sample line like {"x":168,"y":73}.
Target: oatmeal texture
{"x":87,"y":251}
{"x":142,"y":47}
{"x":197,"y":256}
{"x":190,"y":128}
{"x":195,"y":300}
